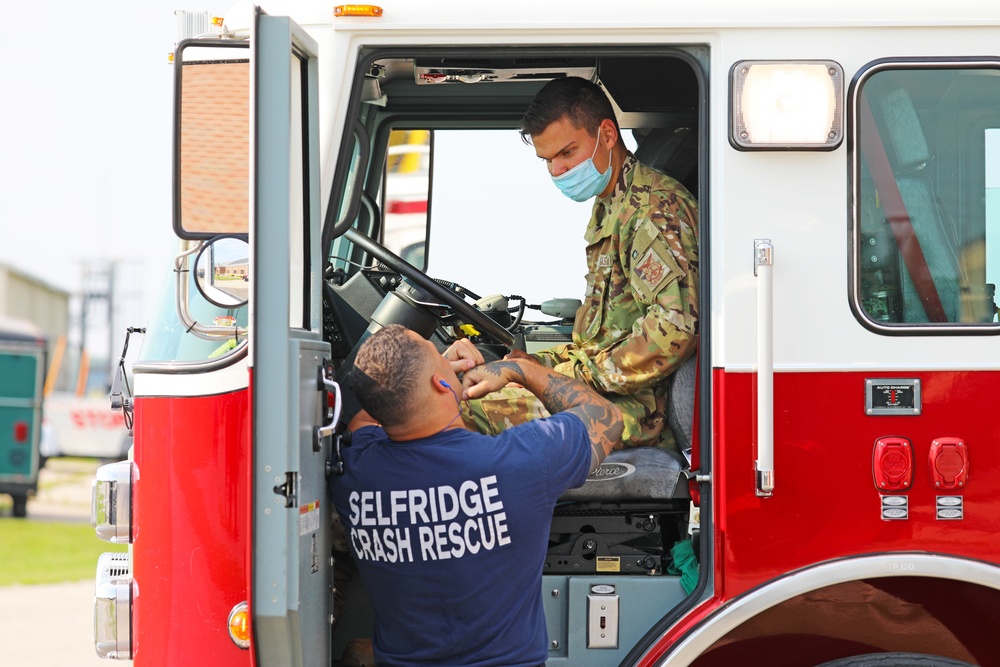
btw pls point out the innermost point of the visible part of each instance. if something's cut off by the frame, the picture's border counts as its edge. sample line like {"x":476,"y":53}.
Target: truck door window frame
{"x":928,"y":174}
{"x":348,"y":184}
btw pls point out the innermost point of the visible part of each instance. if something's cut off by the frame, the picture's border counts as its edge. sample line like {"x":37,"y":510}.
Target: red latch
{"x":20,"y":431}
{"x":949,"y":462}
{"x":694,"y":488}
{"x":892,"y":464}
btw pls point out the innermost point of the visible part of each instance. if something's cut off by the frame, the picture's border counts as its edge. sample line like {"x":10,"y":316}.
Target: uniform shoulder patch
{"x":655,"y":267}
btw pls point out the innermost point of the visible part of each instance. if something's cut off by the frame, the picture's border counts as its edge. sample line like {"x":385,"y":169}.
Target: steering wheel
{"x":480,"y":320}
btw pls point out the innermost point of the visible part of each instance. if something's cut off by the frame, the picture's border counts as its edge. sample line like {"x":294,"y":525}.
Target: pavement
{"x":49,"y":625}
{"x":52,"y":625}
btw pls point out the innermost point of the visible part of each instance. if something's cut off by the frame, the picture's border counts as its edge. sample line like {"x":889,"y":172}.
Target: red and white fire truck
{"x":841,"y":479}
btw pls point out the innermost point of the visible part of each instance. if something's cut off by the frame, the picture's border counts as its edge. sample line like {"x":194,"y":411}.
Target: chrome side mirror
{"x":222,"y":271}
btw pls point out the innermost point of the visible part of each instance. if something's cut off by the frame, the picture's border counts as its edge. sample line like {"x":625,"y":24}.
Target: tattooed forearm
{"x":600,"y":416}
{"x":498,"y":367}
{"x":562,"y":393}
{"x":604,"y":424}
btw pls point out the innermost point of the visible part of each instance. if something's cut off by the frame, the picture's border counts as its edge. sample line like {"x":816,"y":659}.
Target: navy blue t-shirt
{"x":450,"y":532}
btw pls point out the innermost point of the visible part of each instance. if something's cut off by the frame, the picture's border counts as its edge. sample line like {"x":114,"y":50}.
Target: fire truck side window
{"x":404,"y":195}
{"x":927,"y":234}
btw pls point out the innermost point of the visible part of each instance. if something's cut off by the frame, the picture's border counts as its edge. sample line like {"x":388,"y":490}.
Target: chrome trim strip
{"x":737,"y":611}
{"x":184,"y":367}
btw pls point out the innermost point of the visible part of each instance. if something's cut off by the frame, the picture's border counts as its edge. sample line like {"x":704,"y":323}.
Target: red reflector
{"x":892,"y":464}
{"x":418,"y":206}
{"x":20,"y":431}
{"x":949,"y":461}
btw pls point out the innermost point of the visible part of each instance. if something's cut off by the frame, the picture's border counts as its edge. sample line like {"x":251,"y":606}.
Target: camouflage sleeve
{"x":552,"y":357}
{"x":653,"y":350}
{"x":663,"y":256}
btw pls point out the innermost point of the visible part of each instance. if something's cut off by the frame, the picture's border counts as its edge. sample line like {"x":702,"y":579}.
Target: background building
{"x":31,"y":299}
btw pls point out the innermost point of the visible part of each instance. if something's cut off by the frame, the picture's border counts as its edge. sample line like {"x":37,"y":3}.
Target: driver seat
{"x":648,"y":473}
{"x":630,"y":475}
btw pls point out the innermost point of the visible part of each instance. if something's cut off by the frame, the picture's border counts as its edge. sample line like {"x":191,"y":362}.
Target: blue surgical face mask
{"x":584,"y":181}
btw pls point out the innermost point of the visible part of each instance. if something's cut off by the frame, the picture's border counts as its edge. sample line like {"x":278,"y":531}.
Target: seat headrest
{"x":905,"y":142}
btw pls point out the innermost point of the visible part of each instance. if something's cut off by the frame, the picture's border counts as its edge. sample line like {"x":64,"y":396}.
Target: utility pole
{"x":101,"y":286}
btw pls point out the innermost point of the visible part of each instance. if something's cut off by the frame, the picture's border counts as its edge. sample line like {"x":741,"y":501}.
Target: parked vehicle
{"x":22,"y":380}
{"x":84,"y":426}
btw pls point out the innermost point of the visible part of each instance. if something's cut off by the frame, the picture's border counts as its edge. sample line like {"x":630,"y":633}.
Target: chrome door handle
{"x":763,"y":265}
{"x":325,"y":431}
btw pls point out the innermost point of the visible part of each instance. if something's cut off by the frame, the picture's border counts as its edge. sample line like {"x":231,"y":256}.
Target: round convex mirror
{"x":222,"y":271}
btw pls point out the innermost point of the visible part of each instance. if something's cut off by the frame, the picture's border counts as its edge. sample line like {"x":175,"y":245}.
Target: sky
{"x":85,"y":142}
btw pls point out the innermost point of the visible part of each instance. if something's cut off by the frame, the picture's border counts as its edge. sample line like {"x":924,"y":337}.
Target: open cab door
{"x":290,"y":573}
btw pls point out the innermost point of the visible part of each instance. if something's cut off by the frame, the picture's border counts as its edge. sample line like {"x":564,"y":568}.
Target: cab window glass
{"x":434,"y":218}
{"x":927,"y":232}
{"x":498,"y":224}
{"x":404,"y":201}
{"x":340,"y":250}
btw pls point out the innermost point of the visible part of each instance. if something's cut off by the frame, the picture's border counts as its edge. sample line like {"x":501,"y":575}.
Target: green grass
{"x":42,"y":552}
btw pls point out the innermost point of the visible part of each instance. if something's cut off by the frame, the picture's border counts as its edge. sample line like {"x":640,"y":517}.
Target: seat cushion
{"x":637,"y":473}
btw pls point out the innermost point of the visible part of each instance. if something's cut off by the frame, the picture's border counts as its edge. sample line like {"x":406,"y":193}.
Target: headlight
{"x":111,"y":501}
{"x":781,"y":105}
{"x":114,"y":595}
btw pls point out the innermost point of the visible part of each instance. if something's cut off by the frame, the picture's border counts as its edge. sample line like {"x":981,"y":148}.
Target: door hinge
{"x":289,"y":489}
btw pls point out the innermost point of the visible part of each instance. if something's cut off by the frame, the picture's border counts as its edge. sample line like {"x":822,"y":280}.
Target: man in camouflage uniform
{"x":639,"y":320}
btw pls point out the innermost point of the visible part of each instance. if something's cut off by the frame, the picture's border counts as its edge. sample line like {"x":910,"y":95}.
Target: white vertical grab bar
{"x":763,"y":265}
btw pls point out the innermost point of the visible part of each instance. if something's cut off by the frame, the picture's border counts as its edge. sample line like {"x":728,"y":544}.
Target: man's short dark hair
{"x":581,"y":102}
{"x":387,"y":371}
